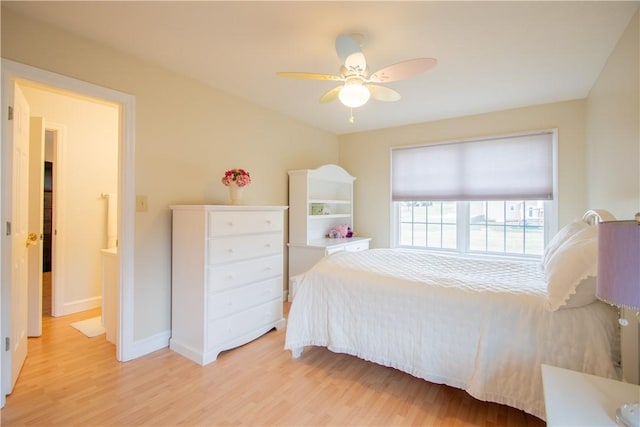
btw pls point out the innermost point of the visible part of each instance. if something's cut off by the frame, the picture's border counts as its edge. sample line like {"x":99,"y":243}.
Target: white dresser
{"x":227,"y":277}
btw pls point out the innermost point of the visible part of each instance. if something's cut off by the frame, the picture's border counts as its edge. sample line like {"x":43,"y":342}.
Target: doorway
{"x":15,"y":73}
{"x":47,"y":230}
{"x":47,"y":199}
{"x":82,"y":146}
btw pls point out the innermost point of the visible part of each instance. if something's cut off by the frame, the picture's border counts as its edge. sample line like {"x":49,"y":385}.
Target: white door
{"x":19,"y":241}
{"x":36,"y":217}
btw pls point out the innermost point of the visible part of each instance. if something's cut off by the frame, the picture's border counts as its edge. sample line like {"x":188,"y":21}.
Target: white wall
{"x":187,"y":135}
{"x":366,"y":155}
{"x":613,"y":129}
{"x":613,"y":135}
{"x":88,"y":167}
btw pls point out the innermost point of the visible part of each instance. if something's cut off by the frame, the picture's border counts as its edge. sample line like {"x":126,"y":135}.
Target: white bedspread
{"x":479,"y":325}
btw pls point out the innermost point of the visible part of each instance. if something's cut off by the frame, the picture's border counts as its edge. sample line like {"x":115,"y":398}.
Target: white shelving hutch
{"x":319,"y":199}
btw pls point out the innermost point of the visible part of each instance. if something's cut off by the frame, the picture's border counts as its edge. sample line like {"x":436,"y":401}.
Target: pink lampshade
{"x":618,"y":280}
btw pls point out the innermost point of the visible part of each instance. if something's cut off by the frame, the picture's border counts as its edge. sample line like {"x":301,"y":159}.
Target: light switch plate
{"x":142,"y":204}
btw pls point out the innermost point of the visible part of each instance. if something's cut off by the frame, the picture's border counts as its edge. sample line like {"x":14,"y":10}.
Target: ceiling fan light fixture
{"x":359,"y":86}
{"x":354,"y":94}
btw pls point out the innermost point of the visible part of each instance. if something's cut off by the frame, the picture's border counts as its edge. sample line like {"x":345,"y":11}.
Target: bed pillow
{"x":585,"y":294}
{"x":569,"y":269}
{"x":560,"y":237}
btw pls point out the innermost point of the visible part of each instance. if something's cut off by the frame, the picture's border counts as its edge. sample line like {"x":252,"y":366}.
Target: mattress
{"x":482,"y":325}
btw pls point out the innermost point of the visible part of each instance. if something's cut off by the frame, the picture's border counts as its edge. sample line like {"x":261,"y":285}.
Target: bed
{"x":481,"y":325}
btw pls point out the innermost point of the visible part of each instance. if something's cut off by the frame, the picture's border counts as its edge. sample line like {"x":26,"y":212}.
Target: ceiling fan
{"x":357,"y":85}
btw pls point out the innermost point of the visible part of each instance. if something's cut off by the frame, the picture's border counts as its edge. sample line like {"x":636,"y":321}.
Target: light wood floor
{"x":46,"y":294}
{"x":69,"y":379}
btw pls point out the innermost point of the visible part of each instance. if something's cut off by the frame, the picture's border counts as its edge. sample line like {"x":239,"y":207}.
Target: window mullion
{"x":504,"y":227}
{"x":524,"y":226}
{"x":441,"y":223}
{"x":413,"y":224}
{"x":486,"y":226}
{"x":462,"y":226}
{"x":426,"y":227}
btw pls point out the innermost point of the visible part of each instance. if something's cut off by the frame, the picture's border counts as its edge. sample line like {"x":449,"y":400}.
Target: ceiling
{"x":491,"y":55}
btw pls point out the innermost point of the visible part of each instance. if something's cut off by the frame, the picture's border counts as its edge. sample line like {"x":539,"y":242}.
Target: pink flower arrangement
{"x":239,"y":176}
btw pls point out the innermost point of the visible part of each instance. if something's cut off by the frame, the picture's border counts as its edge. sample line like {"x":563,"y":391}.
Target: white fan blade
{"x":382,"y":93}
{"x":346,"y":46}
{"x":308,"y":76}
{"x":332,"y":95}
{"x":403,"y":70}
{"x":356,"y":64}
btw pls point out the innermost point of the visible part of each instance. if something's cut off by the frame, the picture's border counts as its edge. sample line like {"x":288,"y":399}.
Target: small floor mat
{"x":90,"y":327}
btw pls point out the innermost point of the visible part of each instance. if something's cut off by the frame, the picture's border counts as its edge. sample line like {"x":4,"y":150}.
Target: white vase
{"x":235,"y":193}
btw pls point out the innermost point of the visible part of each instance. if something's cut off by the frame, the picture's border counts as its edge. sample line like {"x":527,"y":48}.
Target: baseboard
{"x":190,"y":353}
{"x":79,"y":305}
{"x":150,"y":344}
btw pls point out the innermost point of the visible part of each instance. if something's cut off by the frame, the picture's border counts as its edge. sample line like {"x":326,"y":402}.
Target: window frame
{"x":463,"y":226}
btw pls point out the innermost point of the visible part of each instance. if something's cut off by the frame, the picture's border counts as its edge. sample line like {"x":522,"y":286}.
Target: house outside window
{"x":506,"y":226}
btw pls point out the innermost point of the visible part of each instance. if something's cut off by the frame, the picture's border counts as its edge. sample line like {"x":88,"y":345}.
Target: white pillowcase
{"x":561,"y":236}
{"x":585,"y":294}
{"x":569,"y":269}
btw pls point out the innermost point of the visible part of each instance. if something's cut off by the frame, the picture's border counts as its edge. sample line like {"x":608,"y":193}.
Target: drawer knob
{"x":231,"y":250}
{"x":230,"y":223}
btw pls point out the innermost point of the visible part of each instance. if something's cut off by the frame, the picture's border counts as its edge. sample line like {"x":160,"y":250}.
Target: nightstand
{"x":576,"y":399}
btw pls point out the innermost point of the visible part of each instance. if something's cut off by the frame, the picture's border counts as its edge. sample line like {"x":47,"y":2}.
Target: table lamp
{"x":618,"y":283}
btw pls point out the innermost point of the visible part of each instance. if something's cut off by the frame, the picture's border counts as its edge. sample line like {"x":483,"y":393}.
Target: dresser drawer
{"x":236,"y":248}
{"x":357,"y":246}
{"x":236,"y":325}
{"x":334,"y":249}
{"x":232,"y":223}
{"x":226,"y":276}
{"x":222,"y":304}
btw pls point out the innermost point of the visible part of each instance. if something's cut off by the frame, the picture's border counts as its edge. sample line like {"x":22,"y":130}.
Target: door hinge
{"x":10,"y":113}
{"x":7,"y":344}
{"x":8,"y":228}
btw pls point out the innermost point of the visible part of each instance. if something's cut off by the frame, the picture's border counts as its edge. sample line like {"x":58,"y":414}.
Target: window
{"x":491,"y":196}
{"x":514,"y":228}
{"x":428,"y":224}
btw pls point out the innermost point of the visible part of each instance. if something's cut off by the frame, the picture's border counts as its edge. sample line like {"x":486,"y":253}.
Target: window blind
{"x":504,"y":168}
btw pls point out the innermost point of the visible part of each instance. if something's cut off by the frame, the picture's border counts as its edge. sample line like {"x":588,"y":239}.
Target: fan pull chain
{"x":351,"y":119}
